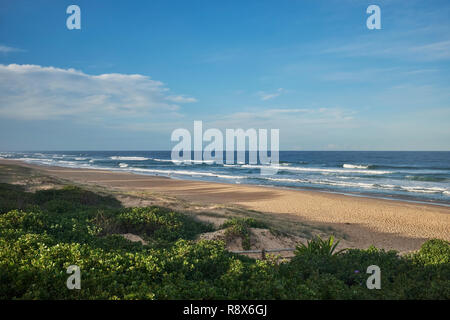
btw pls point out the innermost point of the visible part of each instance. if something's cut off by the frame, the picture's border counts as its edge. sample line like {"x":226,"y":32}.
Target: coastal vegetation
{"x":42,"y":233}
{"x":240,"y":227}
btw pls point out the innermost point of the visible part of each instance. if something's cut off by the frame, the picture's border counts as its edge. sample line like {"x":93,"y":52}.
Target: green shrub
{"x":317,"y":246}
{"x":433,"y":252}
{"x":71,"y":227}
{"x":159,"y":224}
{"x":248,"y":222}
{"x":13,"y":197}
{"x":239,"y":227}
{"x":75,"y":196}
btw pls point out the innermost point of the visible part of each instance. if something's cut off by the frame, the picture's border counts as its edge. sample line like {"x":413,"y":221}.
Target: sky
{"x":137,"y":70}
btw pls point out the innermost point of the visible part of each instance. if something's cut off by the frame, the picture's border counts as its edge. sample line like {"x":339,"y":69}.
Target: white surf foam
{"x":128,"y":158}
{"x":417,"y":189}
{"x":319,"y":169}
{"x":354,"y":166}
{"x":186,"y":172}
{"x":164,"y":160}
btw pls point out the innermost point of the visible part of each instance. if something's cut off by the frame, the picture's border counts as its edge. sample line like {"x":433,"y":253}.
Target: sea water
{"x":416,"y":176}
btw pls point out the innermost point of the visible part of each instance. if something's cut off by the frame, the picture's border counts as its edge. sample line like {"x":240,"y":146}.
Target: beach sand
{"x":359,"y":221}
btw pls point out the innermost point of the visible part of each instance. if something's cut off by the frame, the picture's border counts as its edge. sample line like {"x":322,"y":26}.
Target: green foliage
{"x":71,"y":197}
{"x":434,"y":252}
{"x":239,"y":227}
{"x":317,"y":246}
{"x":159,"y":223}
{"x":13,"y":197}
{"x":46,"y":232}
{"x":248,"y":222}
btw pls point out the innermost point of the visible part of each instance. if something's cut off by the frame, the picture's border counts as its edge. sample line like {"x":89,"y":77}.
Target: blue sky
{"x":137,"y":70}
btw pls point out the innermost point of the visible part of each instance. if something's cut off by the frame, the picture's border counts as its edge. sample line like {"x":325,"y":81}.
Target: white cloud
{"x":36,"y":92}
{"x":6,"y":49}
{"x":286,"y":118}
{"x":267,"y":96}
{"x":181,"y":99}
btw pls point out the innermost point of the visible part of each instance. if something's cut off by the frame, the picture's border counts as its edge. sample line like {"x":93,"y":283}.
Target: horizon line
{"x":99,"y":150}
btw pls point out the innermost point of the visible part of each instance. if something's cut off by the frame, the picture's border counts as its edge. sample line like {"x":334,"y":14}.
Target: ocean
{"x":414,"y":176}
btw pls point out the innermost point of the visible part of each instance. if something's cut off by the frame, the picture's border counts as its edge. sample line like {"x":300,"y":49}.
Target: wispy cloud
{"x":270,"y":95}
{"x":6,"y":49}
{"x":358,"y":75}
{"x":291,"y":118}
{"x":34,"y":92}
{"x":393,"y":48}
{"x":435,"y":50}
{"x":181,"y":99}
{"x":380,"y":75}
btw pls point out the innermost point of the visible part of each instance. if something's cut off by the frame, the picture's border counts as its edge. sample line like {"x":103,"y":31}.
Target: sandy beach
{"x":388,"y":224}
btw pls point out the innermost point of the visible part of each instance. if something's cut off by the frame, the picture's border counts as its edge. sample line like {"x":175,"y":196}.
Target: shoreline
{"x":381,"y":196}
{"x":301,"y":189}
{"x":386,"y":223}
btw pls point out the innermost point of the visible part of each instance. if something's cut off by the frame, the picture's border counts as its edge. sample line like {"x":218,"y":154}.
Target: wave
{"x":6,"y":154}
{"x":184,"y":161}
{"x":427,"y":178}
{"x":283,"y":168}
{"x":355,"y":166}
{"x":39,"y":154}
{"x":293,"y":162}
{"x":417,"y":189}
{"x":62,"y":156}
{"x":128,"y":158}
{"x":409,"y":167}
{"x":27,"y":159}
{"x":287,"y":180}
{"x":72,"y":163}
{"x":325,"y":182}
{"x":55,"y":162}
{"x":187,"y":173}
{"x":163,"y":160}
{"x":357,"y":175}
{"x":425,"y":190}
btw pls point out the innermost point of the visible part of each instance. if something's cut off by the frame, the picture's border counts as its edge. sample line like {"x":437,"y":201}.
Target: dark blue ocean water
{"x":422,"y":176}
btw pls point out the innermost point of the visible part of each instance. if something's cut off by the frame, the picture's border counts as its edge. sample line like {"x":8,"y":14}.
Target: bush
{"x":433,"y":252}
{"x":74,"y":196}
{"x":13,"y":197}
{"x":239,"y":227}
{"x":159,"y":224}
{"x":72,"y":227}
{"x":317,"y":246}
